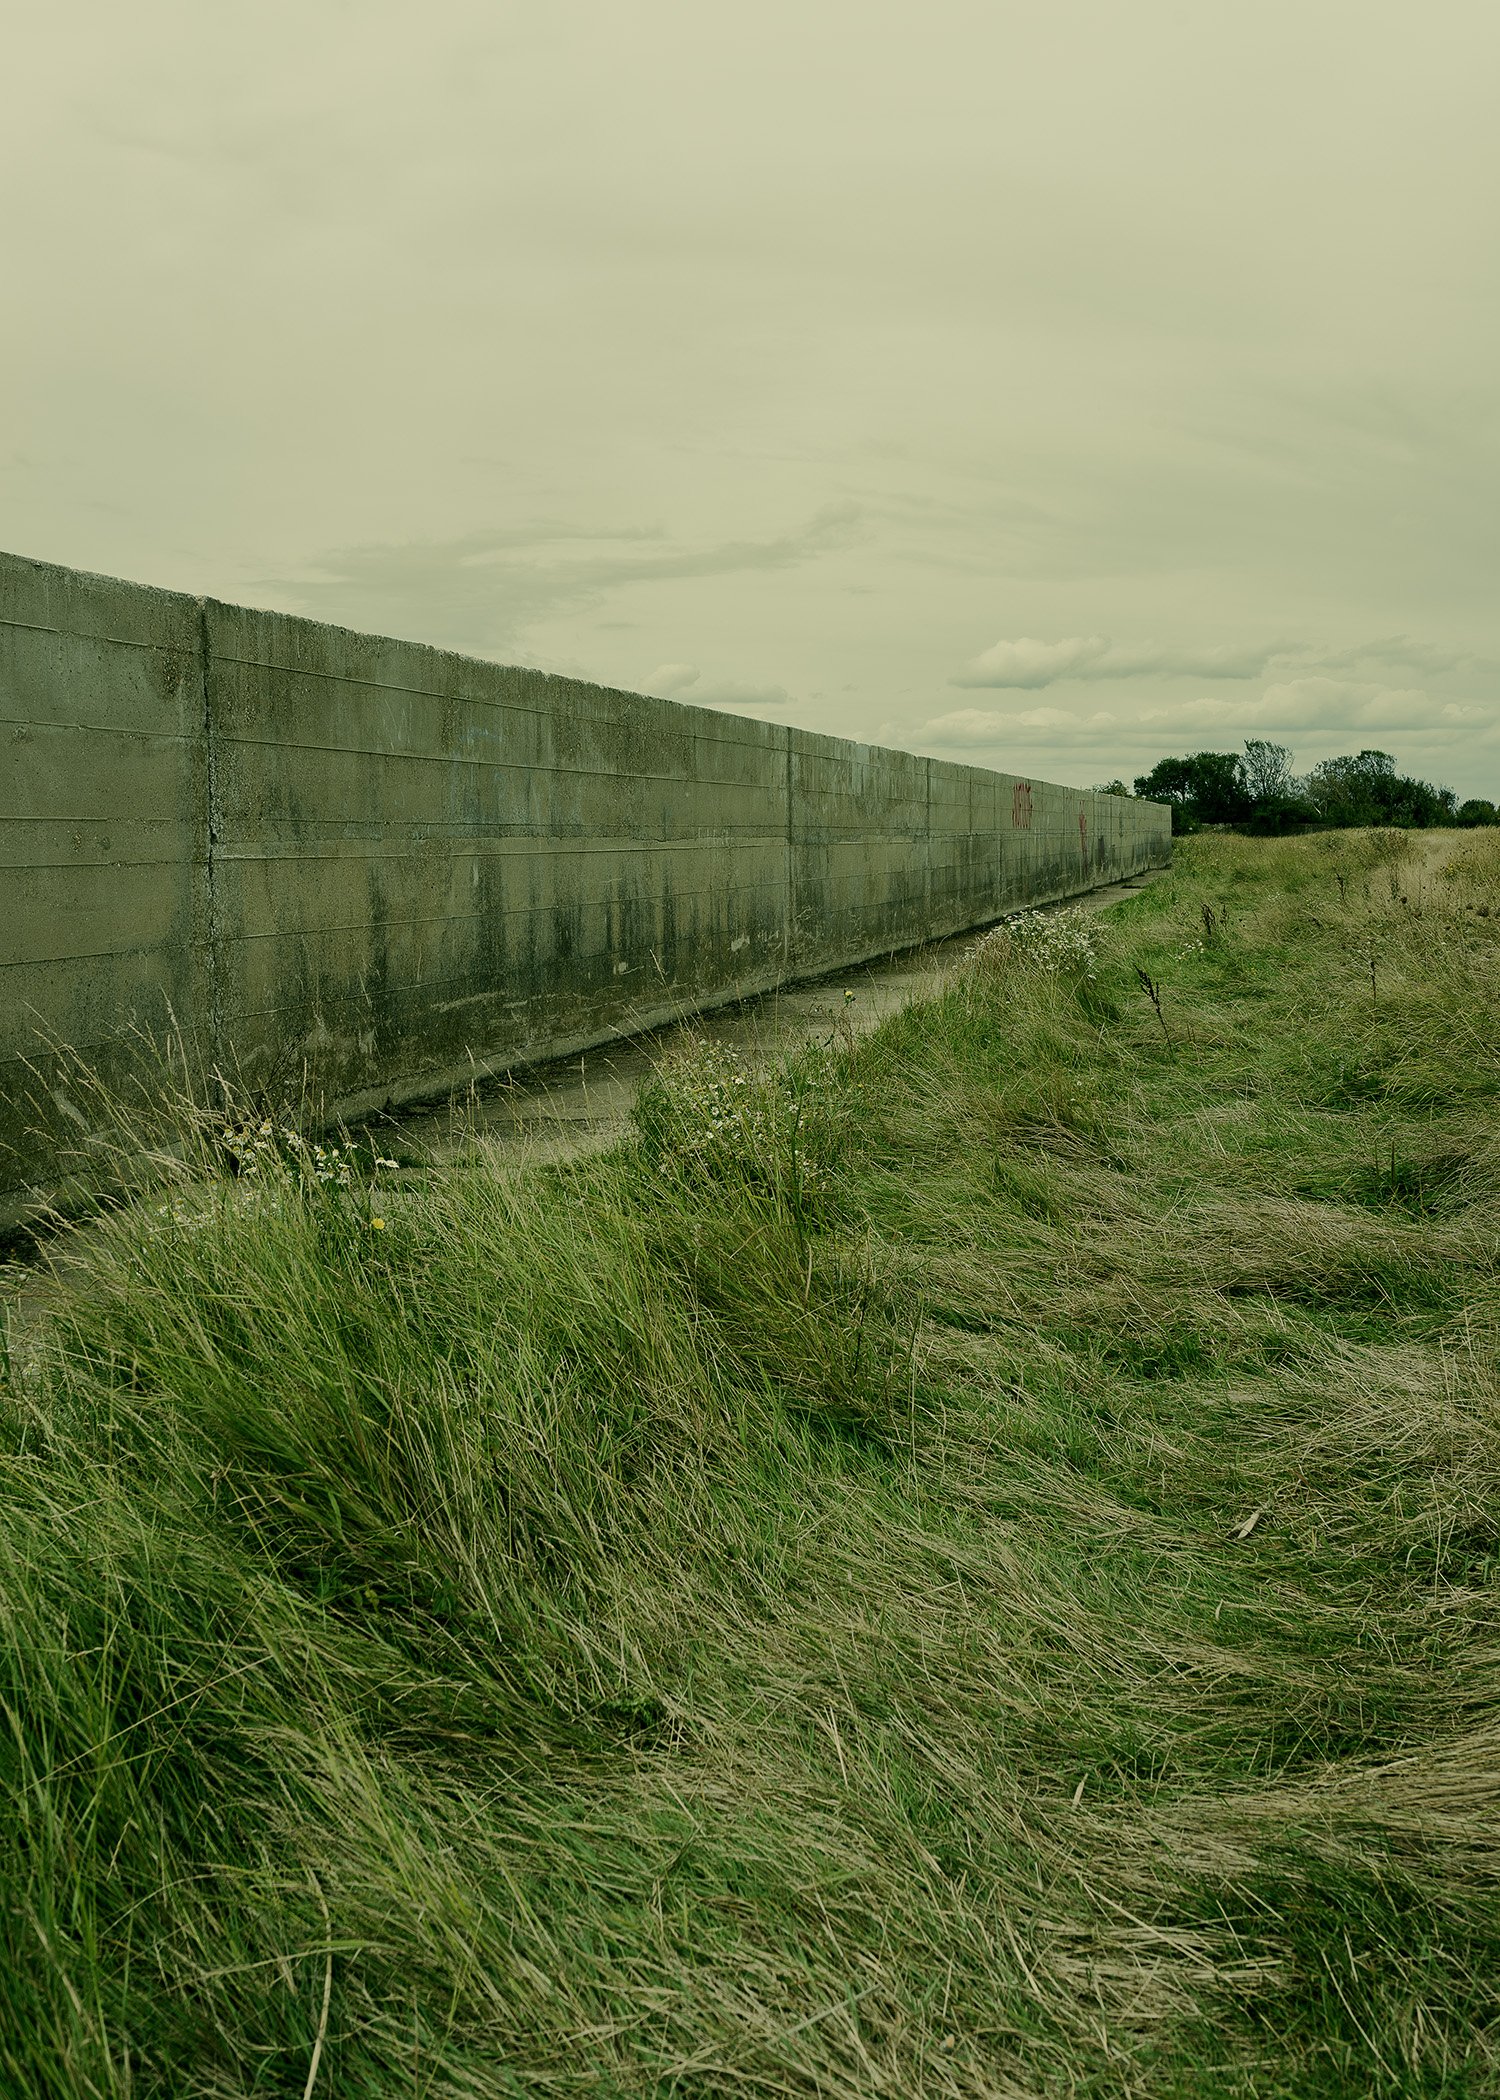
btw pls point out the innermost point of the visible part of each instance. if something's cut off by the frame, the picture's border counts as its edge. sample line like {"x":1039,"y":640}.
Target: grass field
{"x":968,"y":1564}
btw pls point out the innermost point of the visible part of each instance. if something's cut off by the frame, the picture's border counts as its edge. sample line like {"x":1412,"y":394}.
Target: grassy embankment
{"x":980,"y":1580}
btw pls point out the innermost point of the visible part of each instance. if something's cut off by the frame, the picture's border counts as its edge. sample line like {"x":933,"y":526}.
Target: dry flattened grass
{"x":1013,"y":1612}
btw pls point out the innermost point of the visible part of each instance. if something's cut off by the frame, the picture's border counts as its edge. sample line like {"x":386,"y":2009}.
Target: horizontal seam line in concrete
{"x":336,"y":1000}
{"x":494,"y":992}
{"x":81,"y":867}
{"x":545,"y":768}
{"x":186,"y":646}
{"x":45,"y":1049}
{"x":304,"y":933}
{"x":520,"y":846}
{"x":46,"y":962}
{"x":158,"y":736}
{"x":506,"y":705}
{"x":509,"y":765}
{"x":595,"y":908}
{"x":679,"y":989}
{"x":501,"y":836}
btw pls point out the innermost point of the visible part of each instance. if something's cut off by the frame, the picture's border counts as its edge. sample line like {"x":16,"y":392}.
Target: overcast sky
{"x":1053,"y":384}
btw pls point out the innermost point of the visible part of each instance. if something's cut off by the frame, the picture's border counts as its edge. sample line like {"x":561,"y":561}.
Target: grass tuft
{"x":966,"y":1563}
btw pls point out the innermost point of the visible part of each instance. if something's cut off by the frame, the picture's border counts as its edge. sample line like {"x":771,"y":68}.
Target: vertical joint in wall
{"x":789,"y":911}
{"x":927,"y":851}
{"x":214,"y":963}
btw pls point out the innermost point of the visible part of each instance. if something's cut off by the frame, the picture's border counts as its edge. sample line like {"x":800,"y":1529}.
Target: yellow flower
{"x":378,"y":1223}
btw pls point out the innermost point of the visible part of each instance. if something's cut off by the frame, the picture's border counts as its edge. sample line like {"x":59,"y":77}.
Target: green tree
{"x":1260,"y":791}
{"x":1266,"y":771}
{"x":1206,"y":787}
{"x":1367,"y":789}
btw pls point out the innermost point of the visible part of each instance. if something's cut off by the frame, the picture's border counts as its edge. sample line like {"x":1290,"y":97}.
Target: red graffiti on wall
{"x":1020,"y":805}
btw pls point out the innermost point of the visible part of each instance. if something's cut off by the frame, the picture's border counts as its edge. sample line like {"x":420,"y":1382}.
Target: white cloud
{"x":1258,"y":404}
{"x":974,"y":728}
{"x":483,"y":588}
{"x":1313,"y":703}
{"x":668,"y":681}
{"x":686,"y":682}
{"x":1397,"y":649}
{"x":1319,"y":703}
{"x":1221,"y":660}
{"x":1029,"y":663}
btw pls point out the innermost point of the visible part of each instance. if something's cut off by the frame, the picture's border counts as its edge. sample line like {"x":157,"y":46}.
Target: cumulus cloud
{"x":1223,"y":660}
{"x":1313,"y":703}
{"x":973,"y":728}
{"x":1319,"y":703}
{"x":1398,"y":649}
{"x":484,"y":588}
{"x":1029,"y":663}
{"x":667,"y":681}
{"x":686,"y":682}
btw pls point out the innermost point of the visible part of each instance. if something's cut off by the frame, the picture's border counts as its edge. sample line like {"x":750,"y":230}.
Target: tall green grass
{"x":966,"y":1564}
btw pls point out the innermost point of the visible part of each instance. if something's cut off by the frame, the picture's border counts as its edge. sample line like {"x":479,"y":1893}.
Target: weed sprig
{"x":963,"y":1565}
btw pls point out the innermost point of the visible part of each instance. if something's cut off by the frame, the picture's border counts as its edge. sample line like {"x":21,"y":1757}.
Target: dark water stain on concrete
{"x":580,"y":1104}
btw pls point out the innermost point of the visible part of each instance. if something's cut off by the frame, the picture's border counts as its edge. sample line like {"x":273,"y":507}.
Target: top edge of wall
{"x":163,"y":600}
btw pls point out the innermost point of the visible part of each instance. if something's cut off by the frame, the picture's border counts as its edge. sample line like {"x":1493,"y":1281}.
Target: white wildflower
{"x":1046,"y":940}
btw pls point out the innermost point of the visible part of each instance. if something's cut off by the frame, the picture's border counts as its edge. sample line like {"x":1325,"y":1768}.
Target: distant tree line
{"x":1258,"y":790}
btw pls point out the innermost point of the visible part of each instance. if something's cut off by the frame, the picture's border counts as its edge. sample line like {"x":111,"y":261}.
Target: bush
{"x":1059,"y":941}
{"x":707,"y":1116}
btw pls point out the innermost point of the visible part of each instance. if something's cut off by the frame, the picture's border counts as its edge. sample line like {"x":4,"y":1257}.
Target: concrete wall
{"x":397,"y":865}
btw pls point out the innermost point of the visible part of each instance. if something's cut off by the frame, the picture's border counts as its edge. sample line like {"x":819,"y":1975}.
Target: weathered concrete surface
{"x":103,"y":814}
{"x":394,"y":866}
{"x":582,"y":1103}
